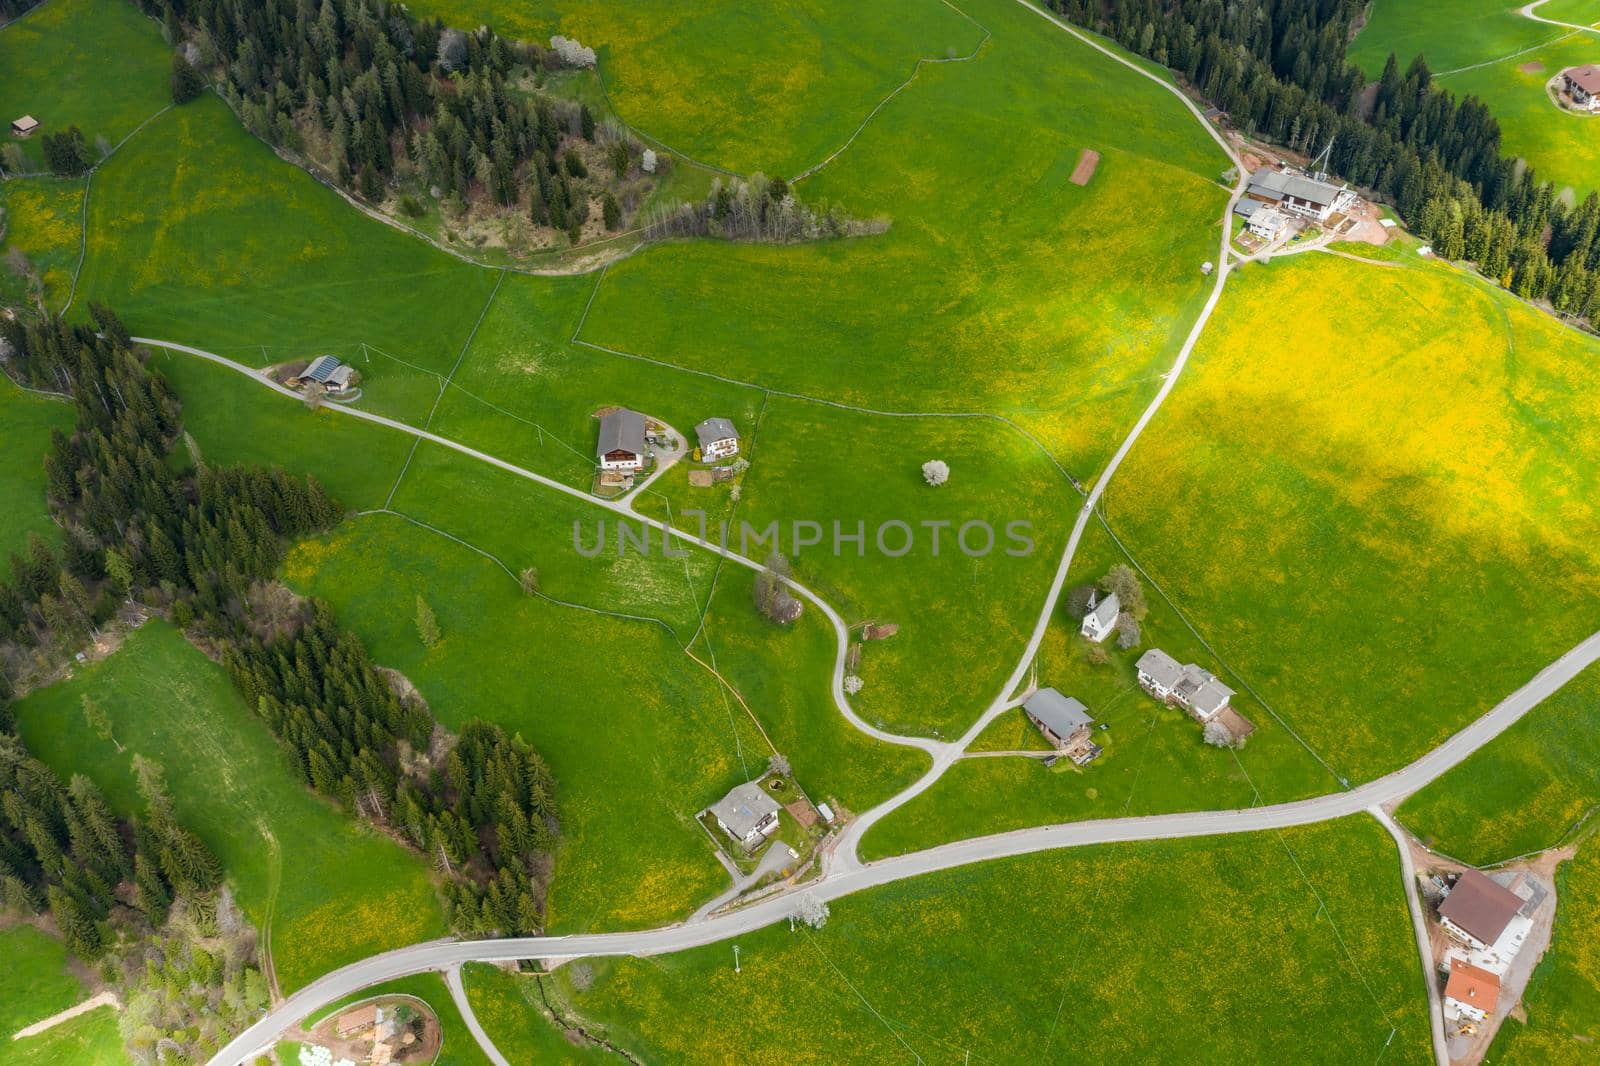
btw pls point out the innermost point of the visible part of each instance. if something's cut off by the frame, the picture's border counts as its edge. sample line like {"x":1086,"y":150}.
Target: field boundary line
{"x":83,"y":210}
{"x":864,"y":1000}
{"x":1513,"y":55}
{"x":1184,"y":618}
{"x":916,"y":68}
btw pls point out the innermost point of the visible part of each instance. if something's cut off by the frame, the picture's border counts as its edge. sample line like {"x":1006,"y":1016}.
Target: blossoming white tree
{"x":936,"y":472}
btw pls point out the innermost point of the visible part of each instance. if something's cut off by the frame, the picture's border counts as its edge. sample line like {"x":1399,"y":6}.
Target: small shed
{"x":24,"y":126}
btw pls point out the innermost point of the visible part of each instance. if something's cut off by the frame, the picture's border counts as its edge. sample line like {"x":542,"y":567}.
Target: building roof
{"x":744,"y":808}
{"x":340,"y":376}
{"x":321,"y":369}
{"x":1586,"y":77}
{"x":1060,"y":714}
{"x":621,"y":430}
{"x":1210,"y":698}
{"x":1245,"y":207}
{"x":1473,"y":986}
{"x":26,"y":123}
{"x":1276,"y":184}
{"x":1480,"y":907}
{"x":1160,"y":667}
{"x":1105,"y":612}
{"x":715,"y":429}
{"x":1268,"y":216}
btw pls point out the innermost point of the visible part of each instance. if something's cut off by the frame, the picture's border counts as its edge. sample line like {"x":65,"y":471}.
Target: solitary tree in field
{"x":810,"y":909}
{"x":936,"y":472}
{"x":99,"y":721}
{"x":427,"y":624}
{"x":530,"y":580}
{"x":779,"y":764}
{"x":853,"y":684}
{"x":772,"y":595}
{"x":1220,"y":736}
{"x":647,"y":162}
{"x":1127,"y":631}
{"x":186,"y":81}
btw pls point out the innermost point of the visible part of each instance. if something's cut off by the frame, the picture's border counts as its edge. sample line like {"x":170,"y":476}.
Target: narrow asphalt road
{"x":458,"y":992}
{"x":843,"y":881}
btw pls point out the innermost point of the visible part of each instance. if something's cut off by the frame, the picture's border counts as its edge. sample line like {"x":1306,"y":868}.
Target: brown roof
{"x":360,"y":1018}
{"x":1480,"y":906}
{"x":1586,"y":77}
{"x":1473,"y":985}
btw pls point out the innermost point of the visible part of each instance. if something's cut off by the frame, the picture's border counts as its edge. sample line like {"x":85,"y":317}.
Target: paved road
{"x":1419,"y":929}
{"x":458,"y":992}
{"x":845,"y":880}
{"x":1526,"y":11}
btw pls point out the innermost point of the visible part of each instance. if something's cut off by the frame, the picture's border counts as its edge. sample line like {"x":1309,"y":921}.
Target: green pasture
{"x":89,"y":1039}
{"x":1381,"y":579}
{"x":509,"y":1007}
{"x":26,"y":420}
{"x":326,"y":889}
{"x":1155,"y":760}
{"x":1000,"y":286}
{"x":1142,"y":953}
{"x":1524,"y":792}
{"x":96,"y":64}
{"x":35,"y":982}
{"x":739,"y":85}
{"x":43,"y":220}
{"x":1448,"y":33}
{"x":637,"y":734}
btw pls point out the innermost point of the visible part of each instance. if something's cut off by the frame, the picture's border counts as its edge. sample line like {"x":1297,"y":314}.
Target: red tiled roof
{"x":1472,"y":985}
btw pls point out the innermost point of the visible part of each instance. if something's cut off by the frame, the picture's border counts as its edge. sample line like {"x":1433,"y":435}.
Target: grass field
{"x":457,"y":1047}
{"x":1380,"y":581}
{"x":99,"y":64}
{"x":251,"y":257}
{"x":638,"y":736}
{"x":1522,"y":793}
{"x":1000,"y":286}
{"x":801,"y":78}
{"x":508,"y":1008}
{"x":1154,"y":761}
{"x":27,"y":420}
{"x":88,"y":1040}
{"x":1562,"y":1001}
{"x":1447,"y":33}
{"x":43,"y":220}
{"x":1141,"y":953}
{"x":35,"y":982}
{"x":278,"y":843}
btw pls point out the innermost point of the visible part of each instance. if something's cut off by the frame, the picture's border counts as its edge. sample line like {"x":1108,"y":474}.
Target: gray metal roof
{"x":1062,"y":714}
{"x":1105,"y":612}
{"x":621,"y":430}
{"x":1277,"y":184}
{"x":1210,"y":698}
{"x":1161,"y":667}
{"x":744,"y":808}
{"x":715,"y":429}
{"x":321,"y":369}
{"x":1244,"y":207}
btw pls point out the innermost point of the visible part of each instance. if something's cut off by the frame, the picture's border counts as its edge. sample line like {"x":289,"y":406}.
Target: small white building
{"x":24,"y":126}
{"x":621,"y":444}
{"x":1101,"y":619}
{"x":1267,"y":223}
{"x":718,"y":439}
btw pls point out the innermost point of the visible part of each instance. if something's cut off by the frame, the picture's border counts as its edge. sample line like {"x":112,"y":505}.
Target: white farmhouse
{"x":718,"y":439}
{"x":1101,"y":620}
{"x":747,"y":814}
{"x":1477,"y":912}
{"x":621,"y":445}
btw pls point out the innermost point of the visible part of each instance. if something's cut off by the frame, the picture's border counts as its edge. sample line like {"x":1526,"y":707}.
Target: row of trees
{"x":203,"y":544}
{"x":760,"y":209}
{"x":1278,"y":67}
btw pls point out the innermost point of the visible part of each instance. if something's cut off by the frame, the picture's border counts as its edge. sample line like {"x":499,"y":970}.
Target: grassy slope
{"x":231,"y":784}
{"x":88,"y":1040}
{"x":43,"y":220}
{"x":508,"y":1008}
{"x":1139,"y":952}
{"x":250,"y":257}
{"x":1448,"y":33}
{"x":1154,"y":760}
{"x":1381,"y":580}
{"x":744,"y":86}
{"x":1525,"y":791}
{"x":457,"y":1048}
{"x":34,"y":983}
{"x":97,"y":63}
{"x":27,"y":420}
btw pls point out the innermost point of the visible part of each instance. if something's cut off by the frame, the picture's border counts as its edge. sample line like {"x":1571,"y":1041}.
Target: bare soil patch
{"x":1531,"y":67}
{"x":1087,"y":162}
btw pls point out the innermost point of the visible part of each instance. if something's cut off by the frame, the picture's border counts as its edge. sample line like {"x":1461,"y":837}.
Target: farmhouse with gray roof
{"x":747,"y":814}
{"x":1294,"y":193}
{"x":621,"y":445}
{"x":1190,"y":686}
{"x":1065,"y":723}
{"x":718,"y":439}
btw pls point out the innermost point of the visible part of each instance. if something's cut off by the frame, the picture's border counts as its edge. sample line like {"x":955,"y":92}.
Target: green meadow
{"x":1142,"y":953}
{"x":323,"y":888}
{"x":27,"y":420}
{"x":35,"y":982}
{"x":1448,"y":33}
{"x":1524,"y":792}
{"x":97,"y":64}
{"x":88,"y":1040}
{"x":1000,"y":287}
{"x":1379,"y":580}
{"x":793,"y":87}
{"x":509,"y":1007}
{"x":43,"y":220}
{"x":1154,"y":759}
